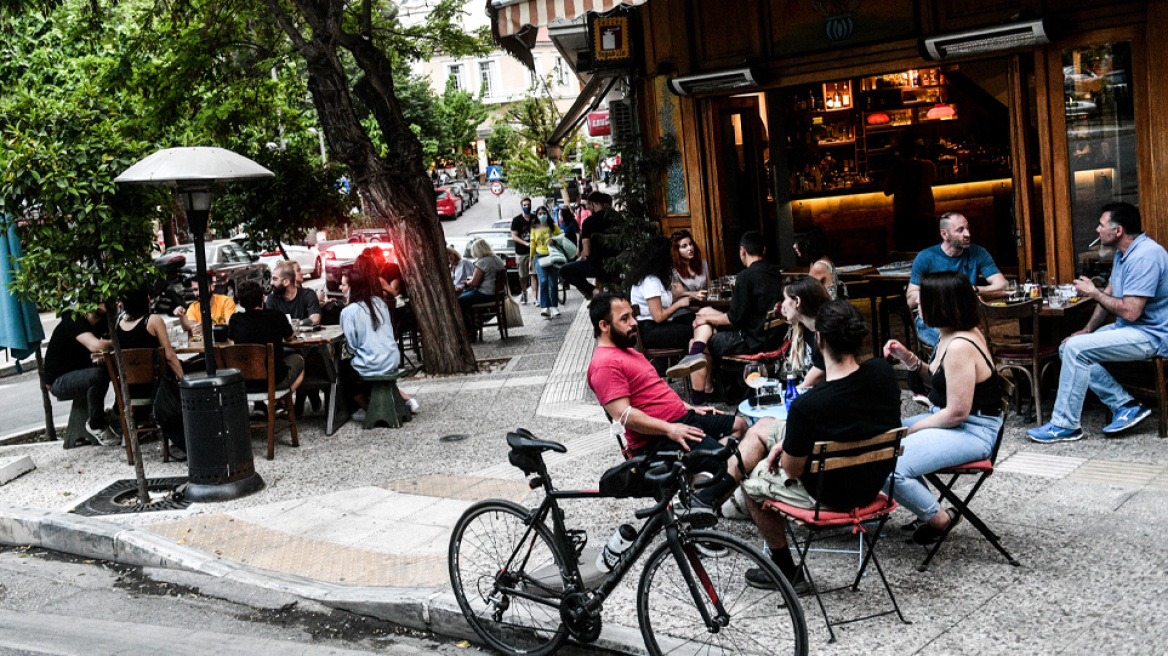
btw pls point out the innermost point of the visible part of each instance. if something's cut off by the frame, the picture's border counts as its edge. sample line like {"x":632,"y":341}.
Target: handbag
{"x":628,"y":480}
{"x":514,"y":315}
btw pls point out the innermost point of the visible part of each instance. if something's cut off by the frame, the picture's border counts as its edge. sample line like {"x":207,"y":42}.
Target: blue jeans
{"x":577,"y":273}
{"x":927,"y":334}
{"x":932,"y":449}
{"x":1081,"y":370}
{"x":549,"y":285}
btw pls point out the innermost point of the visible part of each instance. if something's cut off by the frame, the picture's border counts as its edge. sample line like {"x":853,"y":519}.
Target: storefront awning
{"x":589,"y":98}
{"x":515,"y":23}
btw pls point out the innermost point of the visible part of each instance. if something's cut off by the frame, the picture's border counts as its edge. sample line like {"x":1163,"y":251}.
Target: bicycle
{"x":519,"y":583}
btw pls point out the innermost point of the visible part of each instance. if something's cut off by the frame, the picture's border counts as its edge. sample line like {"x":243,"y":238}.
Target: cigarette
{"x":1094,"y":243}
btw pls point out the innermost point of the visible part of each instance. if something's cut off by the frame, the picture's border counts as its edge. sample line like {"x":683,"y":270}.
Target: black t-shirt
{"x":522,"y":225}
{"x":757,"y":289}
{"x":65,"y":353}
{"x":302,"y":306}
{"x":593,"y":228}
{"x":870,"y":400}
{"x":262,"y":327}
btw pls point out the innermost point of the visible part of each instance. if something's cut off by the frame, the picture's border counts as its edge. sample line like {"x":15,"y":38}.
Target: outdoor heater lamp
{"x":215,"y":412}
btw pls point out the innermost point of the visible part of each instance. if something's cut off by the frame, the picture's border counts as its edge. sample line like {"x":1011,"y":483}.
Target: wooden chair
{"x":482,"y":313}
{"x":141,"y":369}
{"x":822,"y":523}
{"x":666,"y":354}
{"x":982,"y":470}
{"x":257,"y":363}
{"x":1146,"y":382}
{"x":1024,"y":353}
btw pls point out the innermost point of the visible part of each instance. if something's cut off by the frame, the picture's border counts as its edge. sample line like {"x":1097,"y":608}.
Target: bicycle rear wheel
{"x":750,"y":620}
{"x":507,"y":577}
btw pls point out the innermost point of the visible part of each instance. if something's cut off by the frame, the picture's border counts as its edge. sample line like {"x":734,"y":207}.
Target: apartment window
{"x":487,"y":78}
{"x":534,"y":74}
{"x":454,"y":72}
{"x":561,"y":73}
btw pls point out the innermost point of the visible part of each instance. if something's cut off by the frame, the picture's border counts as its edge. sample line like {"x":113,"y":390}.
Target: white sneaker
{"x":555,"y":312}
{"x":412,"y":404}
{"x":523,"y":298}
{"x":358,"y":415}
{"x":545,"y":313}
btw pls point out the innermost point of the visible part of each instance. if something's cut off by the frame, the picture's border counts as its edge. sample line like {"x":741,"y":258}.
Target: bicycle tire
{"x":480,"y":546}
{"x":759,"y":622}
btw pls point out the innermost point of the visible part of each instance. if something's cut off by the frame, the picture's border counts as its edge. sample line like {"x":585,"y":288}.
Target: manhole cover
{"x":122,"y":498}
{"x":457,"y":437}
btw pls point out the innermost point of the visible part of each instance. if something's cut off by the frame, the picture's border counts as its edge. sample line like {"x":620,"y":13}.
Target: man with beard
{"x":1137,"y":298}
{"x":70,"y":372}
{"x":652,"y":417}
{"x":288,"y":297}
{"x":956,"y":252}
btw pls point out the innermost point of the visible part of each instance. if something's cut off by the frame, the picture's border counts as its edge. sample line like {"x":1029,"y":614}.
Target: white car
{"x":308,"y":257}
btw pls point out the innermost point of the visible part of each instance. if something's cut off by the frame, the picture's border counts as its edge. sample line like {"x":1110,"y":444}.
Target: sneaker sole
{"x":1131,"y":424}
{"x":1052,"y":440}
{"x":679,"y":371}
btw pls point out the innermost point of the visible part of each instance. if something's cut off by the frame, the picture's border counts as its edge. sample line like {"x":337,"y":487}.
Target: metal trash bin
{"x":215,"y":418}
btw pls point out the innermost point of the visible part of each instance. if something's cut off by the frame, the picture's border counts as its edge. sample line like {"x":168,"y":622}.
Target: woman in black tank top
{"x":137,"y":328}
{"x":966,"y":394}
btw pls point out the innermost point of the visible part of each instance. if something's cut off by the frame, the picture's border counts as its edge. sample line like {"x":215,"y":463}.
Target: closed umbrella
{"x":21,"y":331}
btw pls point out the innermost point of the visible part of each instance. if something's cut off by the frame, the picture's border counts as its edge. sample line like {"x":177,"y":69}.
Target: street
{"x":52,"y":603}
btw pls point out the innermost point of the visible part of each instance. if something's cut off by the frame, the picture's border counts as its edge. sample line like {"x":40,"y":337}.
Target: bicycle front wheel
{"x":508,"y":578}
{"x":746,"y":619}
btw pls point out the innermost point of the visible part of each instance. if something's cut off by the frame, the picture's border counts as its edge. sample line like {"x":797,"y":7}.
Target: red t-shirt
{"x":616,"y":372}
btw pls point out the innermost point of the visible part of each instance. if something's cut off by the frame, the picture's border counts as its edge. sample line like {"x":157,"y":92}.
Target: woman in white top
{"x":811,"y":246}
{"x":691,"y":274}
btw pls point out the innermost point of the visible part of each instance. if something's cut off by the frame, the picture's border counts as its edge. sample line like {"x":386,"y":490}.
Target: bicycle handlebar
{"x":671,"y":464}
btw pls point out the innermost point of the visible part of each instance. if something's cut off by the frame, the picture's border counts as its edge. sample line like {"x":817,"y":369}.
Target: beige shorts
{"x":523,"y":264}
{"x":763,"y":485}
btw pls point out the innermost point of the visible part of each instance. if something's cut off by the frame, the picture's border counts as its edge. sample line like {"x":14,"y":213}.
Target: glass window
{"x":560,"y":72}
{"x":455,"y":74}
{"x":486,"y":77}
{"x":1101,"y":142}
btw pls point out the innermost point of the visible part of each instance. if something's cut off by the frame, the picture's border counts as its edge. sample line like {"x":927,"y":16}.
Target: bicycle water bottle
{"x":789,"y":394}
{"x":617,"y":544}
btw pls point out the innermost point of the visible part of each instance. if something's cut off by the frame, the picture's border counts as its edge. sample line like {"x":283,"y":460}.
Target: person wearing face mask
{"x":521,"y":234}
{"x":549,"y":276}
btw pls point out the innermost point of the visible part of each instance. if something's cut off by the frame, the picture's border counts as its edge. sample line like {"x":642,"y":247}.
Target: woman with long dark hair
{"x":369,"y":333}
{"x":138,"y":328}
{"x":691,"y":274}
{"x":965,"y":392}
{"x":803,"y":296}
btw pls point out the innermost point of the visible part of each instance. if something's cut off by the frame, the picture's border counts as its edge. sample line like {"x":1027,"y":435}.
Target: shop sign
{"x":610,"y":39}
{"x":598,"y":124}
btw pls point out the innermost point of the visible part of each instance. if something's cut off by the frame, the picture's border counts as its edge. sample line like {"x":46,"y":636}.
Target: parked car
{"x":308,"y":257}
{"x":339,"y":258}
{"x":447,"y":204}
{"x":470,"y":190}
{"x":505,"y":224}
{"x":457,"y":196}
{"x":227,"y":266}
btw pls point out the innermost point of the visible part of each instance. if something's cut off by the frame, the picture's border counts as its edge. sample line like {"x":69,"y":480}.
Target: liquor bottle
{"x":836,"y":100}
{"x":811,"y":100}
{"x":846,"y":97}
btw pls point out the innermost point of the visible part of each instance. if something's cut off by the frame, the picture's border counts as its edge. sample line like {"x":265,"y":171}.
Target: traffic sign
{"x":496,"y":187}
{"x":494,"y":173}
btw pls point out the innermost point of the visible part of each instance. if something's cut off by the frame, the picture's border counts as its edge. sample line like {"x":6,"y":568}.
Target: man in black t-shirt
{"x":857,"y":402}
{"x":70,"y":372}
{"x":288,"y":297}
{"x":593,"y":252}
{"x":521,"y":235}
{"x":259,"y":325}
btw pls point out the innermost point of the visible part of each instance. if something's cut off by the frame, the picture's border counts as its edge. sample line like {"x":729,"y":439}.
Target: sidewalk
{"x":361,"y":520}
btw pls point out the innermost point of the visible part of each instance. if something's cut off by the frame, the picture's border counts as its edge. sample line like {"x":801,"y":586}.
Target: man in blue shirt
{"x":1137,"y":297}
{"x":956,"y":252}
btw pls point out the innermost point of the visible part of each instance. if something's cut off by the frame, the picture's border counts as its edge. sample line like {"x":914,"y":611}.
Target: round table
{"x":778,"y":411}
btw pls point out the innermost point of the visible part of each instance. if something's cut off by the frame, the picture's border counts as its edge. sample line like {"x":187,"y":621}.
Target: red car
{"x":449,"y":204}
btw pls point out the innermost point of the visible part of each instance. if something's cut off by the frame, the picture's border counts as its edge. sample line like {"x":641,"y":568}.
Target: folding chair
{"x":736,"y":364}
{"x":982,"y":470}
{"x":822,"y":523}
{"x":482,"y":313}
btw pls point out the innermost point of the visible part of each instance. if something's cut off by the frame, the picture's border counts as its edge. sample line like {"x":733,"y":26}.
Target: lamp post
{"x":215,"y":413}
{"x":320,"y":135}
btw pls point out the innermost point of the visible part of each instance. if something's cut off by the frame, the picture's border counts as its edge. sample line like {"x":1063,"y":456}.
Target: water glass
{"x":1055,"y":299}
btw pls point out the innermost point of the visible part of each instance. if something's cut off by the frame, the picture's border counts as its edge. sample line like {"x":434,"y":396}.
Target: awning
{"x":590,"y":96}
{"x":515,"y":23}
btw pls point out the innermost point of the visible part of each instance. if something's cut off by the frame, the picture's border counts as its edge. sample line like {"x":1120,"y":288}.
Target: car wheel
{"x":318,"y":269}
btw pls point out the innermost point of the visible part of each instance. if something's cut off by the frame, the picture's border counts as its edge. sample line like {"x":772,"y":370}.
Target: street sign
{"x":494,"y":173}
{"x":496,"y":187}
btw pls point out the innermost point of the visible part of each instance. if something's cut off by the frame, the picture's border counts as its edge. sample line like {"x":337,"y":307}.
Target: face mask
{"x":527,"y":210}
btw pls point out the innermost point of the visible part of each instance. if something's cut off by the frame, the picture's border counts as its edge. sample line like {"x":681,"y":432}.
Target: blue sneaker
{"x":1127,"y":417}
{"x":1049,"y":434}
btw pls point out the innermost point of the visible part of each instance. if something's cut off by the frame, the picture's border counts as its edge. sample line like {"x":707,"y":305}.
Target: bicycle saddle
{"x":523,"y":440}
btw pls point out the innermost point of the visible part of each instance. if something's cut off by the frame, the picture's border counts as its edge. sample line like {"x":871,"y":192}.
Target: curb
{"x":424,"y":609}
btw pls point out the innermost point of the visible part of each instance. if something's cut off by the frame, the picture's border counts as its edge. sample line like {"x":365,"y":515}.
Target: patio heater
{"x":215,"y":415}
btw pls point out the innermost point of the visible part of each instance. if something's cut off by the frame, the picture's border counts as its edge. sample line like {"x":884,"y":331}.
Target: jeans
{"x":576,"y":274}
{"x":549,"y":285}
{"x":91,"y":382}
{"x":932,"y":449}
{"x":1081,"y":370}
{"x":466,"y":300}
{"x":927,"y":334}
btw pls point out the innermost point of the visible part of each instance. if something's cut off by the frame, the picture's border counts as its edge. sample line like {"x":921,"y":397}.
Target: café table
{"x":753,"y":414}
{"x":883,"y":285}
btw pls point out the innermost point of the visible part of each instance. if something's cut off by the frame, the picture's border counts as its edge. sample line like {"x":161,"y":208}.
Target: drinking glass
{"x":755,"y":377}
{"x":1011,"y":289}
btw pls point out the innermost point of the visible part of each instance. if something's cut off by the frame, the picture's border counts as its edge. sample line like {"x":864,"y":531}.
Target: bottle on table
{"x":790,"y":392}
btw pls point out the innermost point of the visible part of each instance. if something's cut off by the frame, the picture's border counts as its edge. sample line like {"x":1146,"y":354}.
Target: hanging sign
{"x":598,"y":124}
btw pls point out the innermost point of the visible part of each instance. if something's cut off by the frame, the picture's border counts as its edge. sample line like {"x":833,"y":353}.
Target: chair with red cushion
{"x":1024,"y":353}
{"x":822,"y":523}
{"x":982,"y":470}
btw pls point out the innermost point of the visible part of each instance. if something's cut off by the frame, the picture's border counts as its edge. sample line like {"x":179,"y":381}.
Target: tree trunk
{"x":131,"y":426}
{"x":397,"y":193}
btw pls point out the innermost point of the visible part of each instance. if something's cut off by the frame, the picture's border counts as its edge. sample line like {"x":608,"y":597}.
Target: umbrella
{"x":21,"y":331}
{"x":192,"y":166}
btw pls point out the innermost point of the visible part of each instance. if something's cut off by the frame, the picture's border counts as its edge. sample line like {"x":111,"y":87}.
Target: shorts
{"x":667,"y":334}
{"x":763,"y":485}
{"x":716,"y":426}
{"x":295,"y":364}
{"x":523,"y":264}
{"x":727,"y":342}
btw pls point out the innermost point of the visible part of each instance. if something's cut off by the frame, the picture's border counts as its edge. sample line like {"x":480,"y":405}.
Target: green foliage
{"x":458,"y":115}
{"x":591,"y":154}
{"x":503,"y":143}
{"x":637,"y":178}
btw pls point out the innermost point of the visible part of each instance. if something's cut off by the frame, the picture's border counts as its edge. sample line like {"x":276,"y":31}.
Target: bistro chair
{"x":665,"y":355}
{"x":483,"y":313}
{"x":981,"y":470}
{"x":822,"y":523}
{"x":732,"y":366}
{"x":257,"y":363}
{"x":1025,"y":353}
{"x":141,"y":371}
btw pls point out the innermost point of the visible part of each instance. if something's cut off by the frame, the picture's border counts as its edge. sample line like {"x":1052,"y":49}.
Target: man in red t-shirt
{"x":655,"y":418}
